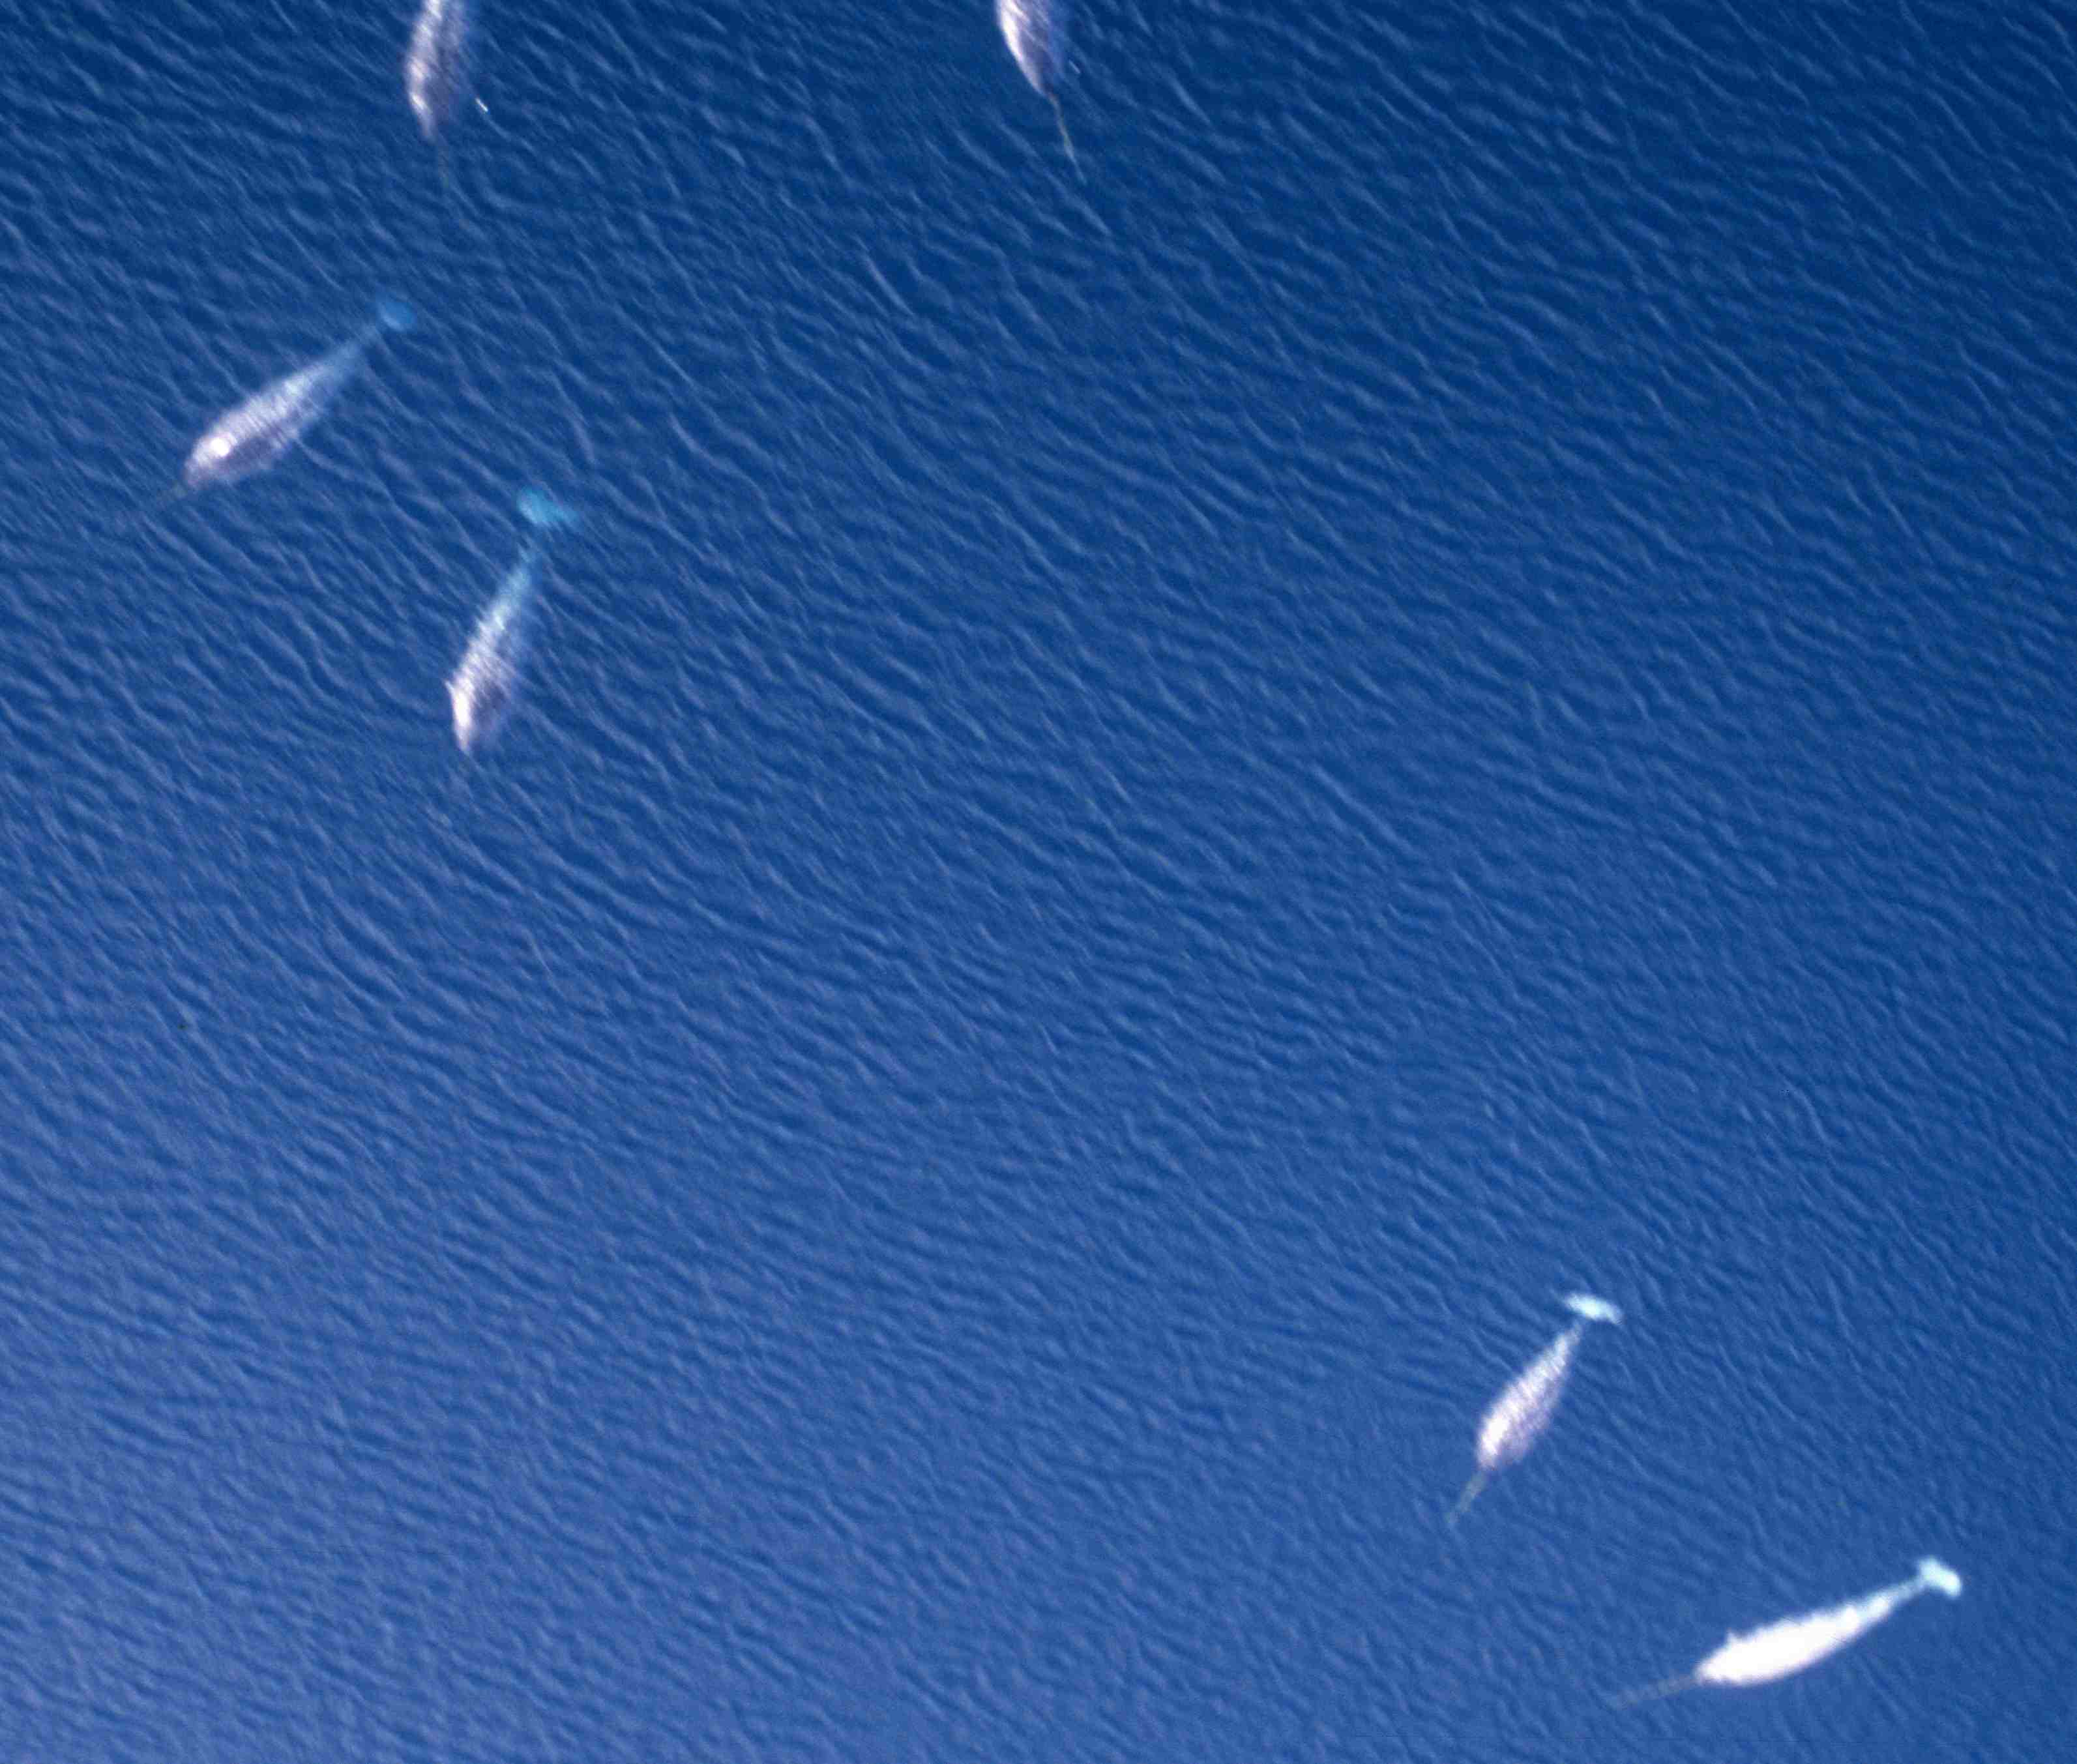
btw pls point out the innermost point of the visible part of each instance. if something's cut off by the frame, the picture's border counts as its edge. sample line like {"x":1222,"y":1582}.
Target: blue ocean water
{"x":1155,"y":805}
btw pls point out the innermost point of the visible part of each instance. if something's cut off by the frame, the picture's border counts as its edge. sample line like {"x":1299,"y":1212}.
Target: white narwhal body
{"x":252,"y":436}
{"x":437,"y":62}
{"x":483,"y":688}
{"x":1037,"y":33}
{"x":1761,"y":1656}
{"x":1521,"y":1412}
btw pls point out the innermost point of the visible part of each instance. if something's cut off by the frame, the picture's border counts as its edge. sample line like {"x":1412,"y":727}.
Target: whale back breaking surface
{"x":486,"y":685}
{"x":438,"y":63}
{"x":1779,"y":1649}
{"x":1776,"y":1649}
{"x":1521,"y":1411}
{"x":1037,"y":33}
{"x":251,"y":436}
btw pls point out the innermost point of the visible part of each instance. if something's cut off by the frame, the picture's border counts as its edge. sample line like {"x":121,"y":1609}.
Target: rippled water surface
{"x":1154,"y":804}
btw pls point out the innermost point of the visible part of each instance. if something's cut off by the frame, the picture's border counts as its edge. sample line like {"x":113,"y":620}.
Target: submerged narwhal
{"x":250,"y":437}
{"x":484,"y":687}
{"x":437,"y":62}
{"x":1521,"y":1411}
{"x":1037,"y":33}
{"x":1761,"y":1656}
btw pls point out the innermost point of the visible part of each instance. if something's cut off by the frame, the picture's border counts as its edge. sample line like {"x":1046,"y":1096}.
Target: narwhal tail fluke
{"x":543,"y":512}
{"x":1934,"y":1573}
{"x":1651,"y":1693}
{"x":1067,"y":140}
{"x":1594,"y":1310}
{"x":1473,"y":1489}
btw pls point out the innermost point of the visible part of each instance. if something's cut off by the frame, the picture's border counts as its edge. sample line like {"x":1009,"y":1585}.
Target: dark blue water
{"x":1152,"y":809}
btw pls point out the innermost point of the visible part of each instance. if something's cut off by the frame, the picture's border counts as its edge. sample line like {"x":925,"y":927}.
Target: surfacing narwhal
{"x":252,"y":436}
{"x":1521,"y":1412}
{"x":438,"y":63}
{"x":1761,"y":1656}
{"x":484,"y":687}
{"x":1037,"y":33}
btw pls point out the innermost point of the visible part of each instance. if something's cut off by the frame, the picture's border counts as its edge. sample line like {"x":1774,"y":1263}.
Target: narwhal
{"x":252,"y":436}
{"x":437,"y":62}
{"x":1521,"y":1412}
{"x":1761,"y":1656}
{"x":1037,"y":33}
{"x":484,"y":687}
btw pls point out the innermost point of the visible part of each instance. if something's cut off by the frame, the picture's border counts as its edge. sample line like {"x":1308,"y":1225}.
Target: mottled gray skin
{"x":1777,"y":1650}
{"x":252,"y":436}
{"x":1037,"y":33}
{"x":1520,"y":1413}
{"x":484,"y":688}
{"x":437,"y":64}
